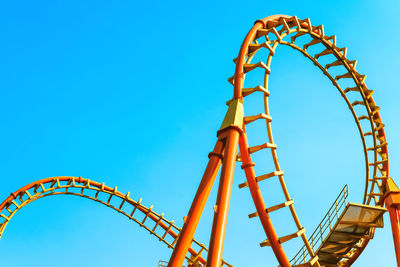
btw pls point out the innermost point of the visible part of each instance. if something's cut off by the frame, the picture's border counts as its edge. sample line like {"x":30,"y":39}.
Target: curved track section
{"x":166,"y":231}
{"x":323,"y":51}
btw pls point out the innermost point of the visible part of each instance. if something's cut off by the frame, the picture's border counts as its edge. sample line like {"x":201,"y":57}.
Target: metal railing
{"x":324,"y":228}
{"x":164,"y":264}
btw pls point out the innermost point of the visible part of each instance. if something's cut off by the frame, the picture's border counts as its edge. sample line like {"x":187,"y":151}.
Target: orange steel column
{"x":259,"y":203}
{"x":223,"y":198}
{"x":186,"y":236}
{"x":392,"y":202}
{"x":394,"y":213}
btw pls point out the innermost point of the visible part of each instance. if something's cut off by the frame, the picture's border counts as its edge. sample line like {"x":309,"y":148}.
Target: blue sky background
{"x":132,"y":93}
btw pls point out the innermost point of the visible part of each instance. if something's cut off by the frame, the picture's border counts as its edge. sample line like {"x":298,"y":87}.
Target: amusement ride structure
{"x":346,"y":229}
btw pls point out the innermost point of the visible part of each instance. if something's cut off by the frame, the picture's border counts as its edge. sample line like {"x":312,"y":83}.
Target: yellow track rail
{"x":165,"y":231}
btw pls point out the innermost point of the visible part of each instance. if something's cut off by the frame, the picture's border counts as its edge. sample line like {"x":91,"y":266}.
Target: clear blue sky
{"x":132,"y":93}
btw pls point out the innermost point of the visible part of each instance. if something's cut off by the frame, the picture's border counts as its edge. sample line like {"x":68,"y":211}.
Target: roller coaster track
{"x":290,"y":31}
{"x":278,"y":28}
{"x":302,"y":36}
{"x":265,"y":36}
{"x":166,"y":231}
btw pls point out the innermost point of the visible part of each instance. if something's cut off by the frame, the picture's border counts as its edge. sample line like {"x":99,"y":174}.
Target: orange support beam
{"x":224,"y":193}
{"x":392,"y":202}
{"x":200,"y":200}
{"x":225,"y":150}
{"x":394,"y":212}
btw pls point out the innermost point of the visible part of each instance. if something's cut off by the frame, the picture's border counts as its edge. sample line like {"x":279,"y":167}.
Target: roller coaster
{"x":346,"y":229}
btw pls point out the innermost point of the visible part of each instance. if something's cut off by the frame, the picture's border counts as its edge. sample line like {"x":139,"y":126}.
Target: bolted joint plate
{"x":391,"y":186}
{"x":392,"y":194}
{"x":234,"y":116}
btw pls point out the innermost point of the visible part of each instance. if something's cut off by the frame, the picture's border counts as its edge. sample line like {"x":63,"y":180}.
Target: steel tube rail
{"x":238,"y":82}
{"x":260,"y":204}
{"x":243,"y":52}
